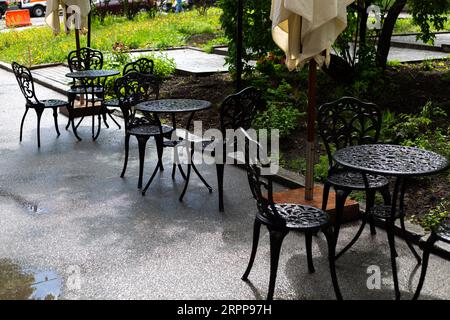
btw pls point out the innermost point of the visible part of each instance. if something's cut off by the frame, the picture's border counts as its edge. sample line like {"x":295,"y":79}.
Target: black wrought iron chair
{"x":26,"y":84}
{"x":280,"y":219}
{"x":130,"y":90}
{"x":237,"y":111}
{"x":86,"y":59}
{"x":442,"y":233}
{"x":142,"y":65}
{"x":345,"y":122}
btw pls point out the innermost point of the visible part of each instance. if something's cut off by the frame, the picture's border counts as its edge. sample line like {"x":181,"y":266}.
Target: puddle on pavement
{"x":25,"y":283}
{"x":29,"y":207}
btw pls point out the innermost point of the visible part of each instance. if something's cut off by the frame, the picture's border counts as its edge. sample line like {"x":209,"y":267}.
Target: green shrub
{"x":282,"y":117}
{"x":282,"y":113}
{"x":418,"y":130}
{"x":299,"y":165}
{"x":432,"y":219}
{"x":117,"y":59}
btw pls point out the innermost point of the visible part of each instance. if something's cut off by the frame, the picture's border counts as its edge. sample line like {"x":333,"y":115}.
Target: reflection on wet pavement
{"x":31,"y":208}
{"x":20,"y":283}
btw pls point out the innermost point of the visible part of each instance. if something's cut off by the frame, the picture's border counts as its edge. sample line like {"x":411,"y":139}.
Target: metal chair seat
{"x":443,"y":231}
{"x":148,"y":130}
{"x":301,"y":217}
{"x":354,"y":180}
{"x":53,"y":103}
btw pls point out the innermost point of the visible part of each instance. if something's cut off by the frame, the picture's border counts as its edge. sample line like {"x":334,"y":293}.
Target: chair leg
{"x":276,"y":240}
{"x":391,"y":237}
{"x":74,"y":129}
{"x":341,"y":196}
{"x":159,"y":150}
{"x":410,"y":246}
{"x":114,"y":120}
{"x":157,"y":168}
{"x":326,"y":192}
{"x":174,"y":169}
{"x":55,"y":117}
{"x":188,"y":175}
{"x":331,"y":258}
{"x":201,"y":178}
{"x":355,"y":238}
{"x":256,"y":232}
{"x":371,"y":219}
{"x":142,"y":143}
{"x":94,"y":137}
{"x":127,"y":150}
{"x":79,"y":122}
{"x":370,"y":202}
{"x":220,"y":168}
{"x":93,"y":127}
{"x":308,"y":238}
{"x":426,"y":255}
{"x":22,"y":122}
{"x":386,"y":195}
{"x":176,"y":164}
{"x":68,"y":107}
{"x":104,"y":120}
{"x":39,"y":114}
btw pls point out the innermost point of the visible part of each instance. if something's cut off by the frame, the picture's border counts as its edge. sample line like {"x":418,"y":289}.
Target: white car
{"x":36,"y":7}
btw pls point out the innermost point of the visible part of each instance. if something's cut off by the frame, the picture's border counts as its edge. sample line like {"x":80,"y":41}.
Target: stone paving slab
{"x":441,"y":39}
{"x":56,"y":74}
{"x":412,"y":55}
{"x":194,"y":62}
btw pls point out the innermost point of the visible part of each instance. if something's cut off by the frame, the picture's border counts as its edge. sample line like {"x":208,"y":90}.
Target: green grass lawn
{"x":406,"y":26}
{"x":38,"y":45}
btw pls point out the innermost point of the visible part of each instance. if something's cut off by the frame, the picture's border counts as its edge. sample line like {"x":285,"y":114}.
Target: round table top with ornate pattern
{"x":92,"y":74}
{"x":391,"y":160}
{"x":173,"y":105}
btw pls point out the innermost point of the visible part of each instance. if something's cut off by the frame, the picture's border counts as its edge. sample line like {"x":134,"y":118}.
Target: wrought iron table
{"x":174,"y":106}
{"x":91,"y":79}
{"x":396,"y":161}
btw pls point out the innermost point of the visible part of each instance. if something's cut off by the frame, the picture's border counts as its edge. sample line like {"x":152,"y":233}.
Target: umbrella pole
{"x":239,"y":40}
{"x":310,"y":144}
{"x":88,"y":44}
{"x":77,"y":43}
{"x":77,"y":40}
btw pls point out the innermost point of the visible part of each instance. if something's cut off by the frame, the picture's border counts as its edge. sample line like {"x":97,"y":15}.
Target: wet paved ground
{"x":71,"y":228}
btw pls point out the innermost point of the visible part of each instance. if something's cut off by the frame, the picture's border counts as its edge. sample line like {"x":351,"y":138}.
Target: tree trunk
{"x":363,"y":17}
{"x":384,"y":42}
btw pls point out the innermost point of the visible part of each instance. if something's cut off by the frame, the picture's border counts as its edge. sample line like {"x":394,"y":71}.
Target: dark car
{"x":117,"y":6}
{"x":3,"y":7}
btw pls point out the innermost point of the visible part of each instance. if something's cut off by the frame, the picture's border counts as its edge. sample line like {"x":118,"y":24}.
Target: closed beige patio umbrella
{"x":75,"y":13}
{"x":305,"y":30}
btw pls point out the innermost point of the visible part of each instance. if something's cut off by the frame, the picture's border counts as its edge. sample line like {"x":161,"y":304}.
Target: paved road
{"x":36,"y":22}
